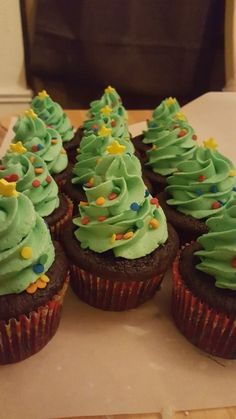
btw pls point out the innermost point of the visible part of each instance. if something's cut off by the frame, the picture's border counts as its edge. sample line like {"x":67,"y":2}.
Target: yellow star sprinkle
{"x":106,"y":110}
{"x":18,"y":148}
{"x":116,"y":148}
{"x":8,"y":188}
{"x":232,"y":173}
{"x":180,"y":116}
{"x":109,"y":89}
{"x":42,"y":95}
{"x":31,"y":114}
{"x":104,"y":131}
{"x":113,"y":238}
{"x":210,"y":143}
{"x":170,"y":101}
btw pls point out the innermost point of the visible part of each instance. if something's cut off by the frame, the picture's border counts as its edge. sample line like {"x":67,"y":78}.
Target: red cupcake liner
{"x":208,"y":329}
{"x":23,"y":337}
{"x":55,"y":229}
{"x":109,"y":294}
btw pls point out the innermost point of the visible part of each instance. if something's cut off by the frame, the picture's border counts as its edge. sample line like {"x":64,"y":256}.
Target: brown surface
{"x":227,"y":412}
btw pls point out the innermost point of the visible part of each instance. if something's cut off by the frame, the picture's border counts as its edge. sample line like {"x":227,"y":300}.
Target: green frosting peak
{"x":26,"y":249}
{"x":53,"y":115}
{"x":203,"y":185}
{"x":169,"y":107}
{"x":218,"y":257}
{"x":109,"y":99}
{"x":46,"y":142}
{"x":120,"y":215}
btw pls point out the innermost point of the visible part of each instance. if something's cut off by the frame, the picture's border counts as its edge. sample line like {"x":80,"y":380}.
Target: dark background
{"x":146,"y":49}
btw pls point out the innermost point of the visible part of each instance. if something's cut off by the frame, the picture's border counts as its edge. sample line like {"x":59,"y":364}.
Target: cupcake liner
{"x":208,"y":329}
{"x":23,"y":337}
{"x":55,"y":229}
{"x":109,"y":294}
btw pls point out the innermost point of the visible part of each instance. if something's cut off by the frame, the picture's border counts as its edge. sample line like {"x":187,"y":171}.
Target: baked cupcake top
{"x":169,"y":107}
{"x":203,"y":185}
{"x":43,"y":141}
{"x":26,"y":249}
{"x":53,"y":115}
{"x":218,"y":256}
{"x":92,"y":148}
{"x":119,"y":214}
{"x":171,"y":144}
{"x":109,"y":100}
{"x":32,"y":178}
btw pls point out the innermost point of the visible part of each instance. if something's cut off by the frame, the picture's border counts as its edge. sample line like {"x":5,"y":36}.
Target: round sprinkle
{"x":90,"y":183}
{"x":233,"y":262}
{"x":40,"y":146}
{"x":215,"y":205}
{"x":194,"y":137}
{"x":85,"y":220}
{"x":95,"y":127}
{"x":41,"y":284}
{"x":44,"y":278}
{"x":213,"y":189}
{"x":198,"y":192}
{"x":139,"y":223}
{"x":146,"y":194}
{"x":113,"y":238}
{"x":128,"y":235}
{"x":26,"y":252}
{"x":36,"y":183}
{"x":38,"y":170}
{"x":31,"y":288}
{"x":34,"y":148}
{"x":154,"y":223}
{"x":100,"y":200}
{"x":119,"y":236}
{"x":182,"y":133}
{"x":38,"y":268}
{"x":2,"y":167}
{"x":48,"y":179}
{"x":54,"y":141}
{"x":201,"y":178}
{"x":12,"y":178}
{"x":43,"y":259}
{"x":102,"y":218}
{"x":134,"y":206}
{"x":112,"y":196}
{"x":113,"y":123}
{"x":154,"y":201}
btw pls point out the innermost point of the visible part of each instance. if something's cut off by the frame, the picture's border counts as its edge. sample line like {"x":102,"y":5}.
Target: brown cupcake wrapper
{"x":210,"y":330}
{"x":23,"y":337}
{"x":55,"y":229}
{"x":109,"y":294}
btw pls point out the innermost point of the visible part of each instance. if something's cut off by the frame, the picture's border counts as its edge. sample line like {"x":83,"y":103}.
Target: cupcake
{"x":45,"y":142}
{"x":204,"y":287}
{"x":32,"y":178}
{"x":110,"y":99}
{"x":33,"y":279}
{"x":120,"y":246}
{"x":54,"y":117}
{"x":198,"y":190}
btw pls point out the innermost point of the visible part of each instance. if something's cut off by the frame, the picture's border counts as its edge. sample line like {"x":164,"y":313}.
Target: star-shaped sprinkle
{"x":210,"y":143}
{"x":109,"y":89}
{"x":18,"y":148}
{"x":8,"y":188}
{"x":31,"y":114}
{"x":170,"y":101}
{"x":106,"y":110}
{"x":116,"y":148}
{"x":42,"y":95}
{"x":104,"y":131}
{"x":232,"y":173}
{"x":180,"y":116}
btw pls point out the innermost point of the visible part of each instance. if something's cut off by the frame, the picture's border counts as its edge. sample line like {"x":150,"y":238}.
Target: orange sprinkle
{"x":41,"y":284}
{"x":128,"y":235}
{"x":100,"y":200}
{"x":44,"y":278}
{"x":154,"y":223}
{"x":31,"y":288}
{"x":38,"y":170}
{"x":54,"y":141}
{"x":119,"y":236}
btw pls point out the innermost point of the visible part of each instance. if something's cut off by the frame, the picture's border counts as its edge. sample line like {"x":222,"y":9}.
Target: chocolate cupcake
{"x":33,"y":279}
{"x":199,"y":190}
{"x":204,"y":287}
{"x":45,"y":142}
{"x":122,"y":248}
{"x":32,"y":178}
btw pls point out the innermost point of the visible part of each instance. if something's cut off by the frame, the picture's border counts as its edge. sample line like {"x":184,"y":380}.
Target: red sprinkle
{"x":36,"y":183}
{"x":215,"y":205}
{"x":154,"y":201}
{"x":194,"y":137}
{"x":112,"y":196}
{"x":12,"y":178}
{"x":119,"y":236}
{"x":34,"y":148}
{"x":102,"y":218}
{"x":175,"y":126}
{"x":113,"y":123}
{"x":182,"y":133}
{"x":85,"y":220}
{"x":233,"y":262}
{"x":48,"y":179}
{"x":2,"y":167}
{"x":201,"y":178}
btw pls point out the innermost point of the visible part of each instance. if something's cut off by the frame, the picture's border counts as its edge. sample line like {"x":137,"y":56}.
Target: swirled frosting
{"x":218,"y":256}
{"x":53,"y":115}
{"x":171,"y":144}
{"x":169,"y":107}
{"x":203,"y":185}
{"x":26,"y":249}
{"x":32,"y":178}
{"x":46,"y":142}
{"x":109,"y":99}
{"x":117,"y":124}
{"x":119,"y":213}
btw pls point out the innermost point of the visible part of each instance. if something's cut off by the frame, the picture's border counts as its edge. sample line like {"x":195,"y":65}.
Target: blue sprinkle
{"x":38,"y":269}
{"x":146,"y":193}
{"x":234,"y":189}
{"x":214,"y":189}
{"x":40,"y":146}
{"x":152,"y":125}
{"x":199,"y":192}
{"x":134,"y":206}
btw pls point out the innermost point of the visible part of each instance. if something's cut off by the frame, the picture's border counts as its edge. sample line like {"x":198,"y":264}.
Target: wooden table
{"x":77,"y":116}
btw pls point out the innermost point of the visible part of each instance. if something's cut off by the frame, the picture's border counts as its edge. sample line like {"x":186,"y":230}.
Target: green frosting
{"x":218,"y":257}
{"x":172,"y":144}
{"x":43,"y":196}
{"x":109,"y":98}
{"x":127,"y":208}
{"x":92,"y":148}
{"x":33,"y":133}
{"x":169,"y":107}
{"x":53,"y":115}
{"x":119,"y":126}
{"x":21,"y":227}
{"x":202,"y":186}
